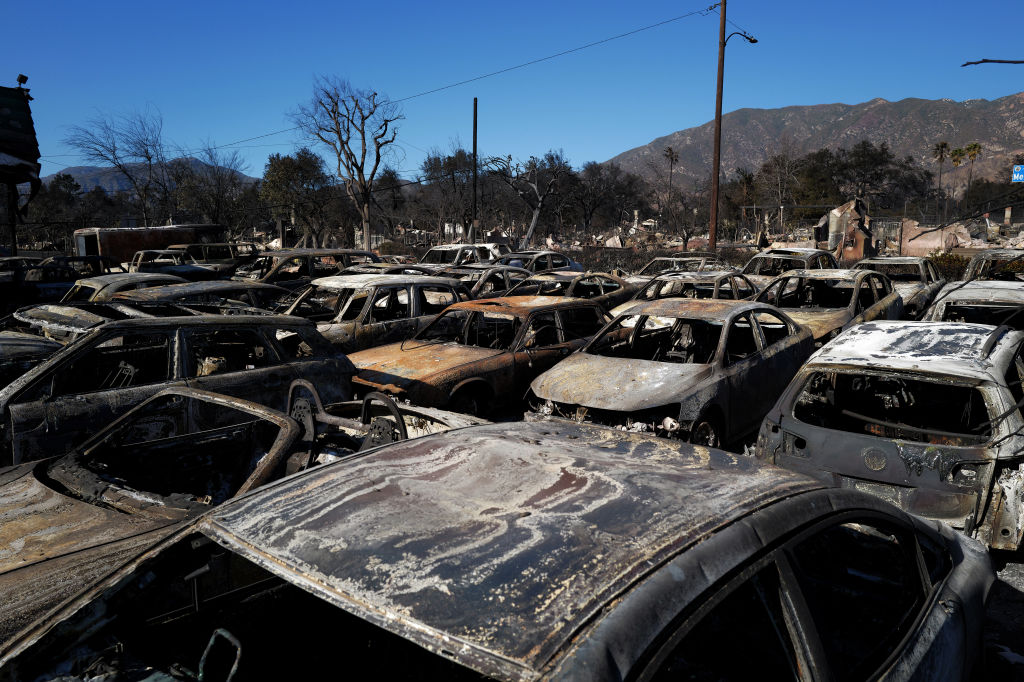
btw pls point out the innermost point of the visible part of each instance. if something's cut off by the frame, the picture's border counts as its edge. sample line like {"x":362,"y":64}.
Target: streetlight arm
{"x":749,"y":38}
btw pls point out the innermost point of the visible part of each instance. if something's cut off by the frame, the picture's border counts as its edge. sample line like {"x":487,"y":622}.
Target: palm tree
{"x":973,"y":151}
{"x":939,"y":152}
{"x":673,"y":158}
{"x":957,"y":157}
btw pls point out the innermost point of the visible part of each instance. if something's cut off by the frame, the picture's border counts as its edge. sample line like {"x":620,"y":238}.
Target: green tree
{"x":298,"y":187}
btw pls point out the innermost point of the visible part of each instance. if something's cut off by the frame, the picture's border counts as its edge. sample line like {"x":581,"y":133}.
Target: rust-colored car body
{"x":829,"y":301}
{"x":536,"y":332}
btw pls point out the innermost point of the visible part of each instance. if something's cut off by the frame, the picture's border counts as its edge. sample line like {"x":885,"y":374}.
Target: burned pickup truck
{"x":705,"y":371}
{"x":926,"y":415}
{"x":117,"y":365}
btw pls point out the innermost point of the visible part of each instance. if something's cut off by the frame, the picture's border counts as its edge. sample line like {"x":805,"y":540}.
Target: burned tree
{"x":358,"y":126}
{"x":535,"y":182}
{"x":134,"y":145}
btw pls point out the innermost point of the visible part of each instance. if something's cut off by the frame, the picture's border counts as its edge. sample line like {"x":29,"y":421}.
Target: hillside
{"x":909,"y":126}
{"x":113,"y":181}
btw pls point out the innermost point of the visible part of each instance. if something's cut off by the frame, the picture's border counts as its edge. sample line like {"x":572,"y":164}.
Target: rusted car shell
{"x":103,"y":287}
{"x":480,"y":275}
{"x":981,"y":265}
{"x":719,"y":279}
{"x":571,"y":281}
{"x":810,"y":259}
{"x":613,"y":391}
{"x":431,"y":374}
{"x":223,"y":289}
{"x":521,"y":552}
{"x":916,"y":475}
{"x":824,"y":323}
{"x":52,"y":544}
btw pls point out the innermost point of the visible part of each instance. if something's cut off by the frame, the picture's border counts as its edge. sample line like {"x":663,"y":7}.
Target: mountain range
{"x":911,"y":127}
{"x":111,"y":180}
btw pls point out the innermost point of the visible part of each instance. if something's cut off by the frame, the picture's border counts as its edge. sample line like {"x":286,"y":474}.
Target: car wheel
{"x":706,"y":431}
{"x":469,"y":401}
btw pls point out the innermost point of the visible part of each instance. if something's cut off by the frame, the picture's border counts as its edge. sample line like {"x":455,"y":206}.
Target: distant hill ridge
{"x":910,"y":127}
{"x":111,"y":180}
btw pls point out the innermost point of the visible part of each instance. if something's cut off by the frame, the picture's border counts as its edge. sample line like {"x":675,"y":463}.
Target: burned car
{"x":486,"y":280}
{"x":479,"y":354}
{"x":980,"y":302}
{"x":600,"y":287}
{"x":172,"y":262}
{"x":224,"y":257}
{"x":773,"y":262}
{"x":70,"y":519}
{"x":355,"y":312}
{"x":294,"y":268}
{"x":704,"y":371}
{"x":20,"y":352}
{"x":540,"y":261}
{"x":829,"y":301}
{"x":115,"y":366}
{"x":103,"y":287}
{"x":86,"y":266}
{"x":996,"y":264}
{"x":915,"y":279}
{"x":461,"y":254}
{"x":692,"y":261}
{"x":252,"y":294}
{"x":729,"y":285}
{"x":923,"y":414}
{"x":528,"y":552}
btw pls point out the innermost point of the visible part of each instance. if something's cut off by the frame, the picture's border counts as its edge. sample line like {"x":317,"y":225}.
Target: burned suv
{"x":925,"y":415}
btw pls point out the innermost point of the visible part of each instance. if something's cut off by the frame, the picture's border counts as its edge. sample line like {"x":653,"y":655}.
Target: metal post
{"x":717,"y":163}
{"x":476,"y":221}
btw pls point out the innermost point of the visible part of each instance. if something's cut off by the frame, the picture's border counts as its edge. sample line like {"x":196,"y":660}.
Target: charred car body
{"x":600,"y":287}
{"x":486,"y":280}
{"x":915,"y":279}
{"x":729,"y":285}
{"x":480,"y":353}
{"x":294,"y":268}
{"x":103,"y":287}
{"x":923,"y":414}
{"x":533,"y":551}
{"x":706,"y":371}
{"x":114,"y":367}
{"x":254,"y":294}
{"x":691,"y":262}
{"x":996,"y":264}
{"x":540,"y":261}
{"x":829,"y":301}
{"x":771,"y":263}
{"x":355,"y":312}
{"x":172,"y":262}
{"x":980,"y":302}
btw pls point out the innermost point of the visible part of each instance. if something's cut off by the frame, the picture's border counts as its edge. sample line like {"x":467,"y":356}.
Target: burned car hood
{"x":617,"y":384}
{"x":17,"y":346}
{"x":908,"y":290}
{"x":819,"y":321}
{"x":400,"y":367}
{"x":38,"y":523}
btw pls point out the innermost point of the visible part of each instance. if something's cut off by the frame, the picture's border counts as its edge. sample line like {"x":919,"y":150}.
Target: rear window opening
{"x":201,"y":610}
{"x":895,"y":407}
{"x":985,"y":313}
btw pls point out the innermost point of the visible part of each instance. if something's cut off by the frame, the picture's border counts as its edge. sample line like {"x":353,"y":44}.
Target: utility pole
{"x":476,"y":221}
{"x":717,"y":163}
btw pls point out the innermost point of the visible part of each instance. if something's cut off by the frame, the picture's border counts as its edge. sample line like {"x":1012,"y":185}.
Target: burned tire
{"x":707,"y":431}
{"x":472,"y":401}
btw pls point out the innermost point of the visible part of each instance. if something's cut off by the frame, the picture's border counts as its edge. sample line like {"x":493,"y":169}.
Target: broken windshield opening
{"x":895,"y":407}
{"x":175,"y":453}
{"x":996,"y":314}
{"x":812,"y":293}
{"x":897,"y":272}
{"x":772,"y":265}
{"x":539,"y":287}
{"x":481,"y":329}
{"x":674,"y":288}
{"x":659,"y":339}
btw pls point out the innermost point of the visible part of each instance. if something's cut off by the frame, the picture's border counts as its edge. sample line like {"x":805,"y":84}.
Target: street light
{"x":722,"y":40}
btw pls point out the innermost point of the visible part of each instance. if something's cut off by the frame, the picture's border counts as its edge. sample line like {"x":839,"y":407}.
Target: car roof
{"x":209,"y":321}
{"x":691,"y":276}
{"x":884,"y":260}
{"x":285,"y":253}
{"x":794,"y":251}
{"x":847,"y":274}
{"x":982,"y":290}
{"x":522,"y":305}
{"x":503,"y":540}
{"x":205,"y":287}
{"x":975,"y":351}
{"x":719,"y":309}
{"x":371,"y":280}
{"x":115,"y":277}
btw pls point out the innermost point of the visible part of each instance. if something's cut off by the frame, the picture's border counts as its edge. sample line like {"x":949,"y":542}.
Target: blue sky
{"x":225,"y":71}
